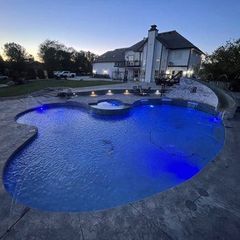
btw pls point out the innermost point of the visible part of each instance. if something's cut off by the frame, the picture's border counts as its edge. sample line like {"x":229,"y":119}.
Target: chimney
{"x":152,"y":34}
{"x":153,"y":28}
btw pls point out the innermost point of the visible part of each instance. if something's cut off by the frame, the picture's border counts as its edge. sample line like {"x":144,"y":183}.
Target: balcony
{"x":133,"y":63}
{"x":128,"y":64}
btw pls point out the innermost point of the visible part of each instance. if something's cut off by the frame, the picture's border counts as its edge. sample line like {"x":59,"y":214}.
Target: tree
{"x":80,"y":62}
{"x":2,"y":65}
{"x":58,"y":57}
{"x":15,"y":52}
{"x":54,"y":55}
{"x":224,"y":62}
{"x":20,"y":64}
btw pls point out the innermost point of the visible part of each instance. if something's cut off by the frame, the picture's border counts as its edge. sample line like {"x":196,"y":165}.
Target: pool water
{"x":83,"y":162}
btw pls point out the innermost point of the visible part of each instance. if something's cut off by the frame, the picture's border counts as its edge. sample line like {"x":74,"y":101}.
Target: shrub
{"x":40,"y":74}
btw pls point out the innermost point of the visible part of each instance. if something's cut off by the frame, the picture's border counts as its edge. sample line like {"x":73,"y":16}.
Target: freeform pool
{"x":83,"y":162}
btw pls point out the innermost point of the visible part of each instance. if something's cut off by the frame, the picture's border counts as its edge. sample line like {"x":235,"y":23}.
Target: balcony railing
{"x":128,"y":64}
{"x":132,"y":63}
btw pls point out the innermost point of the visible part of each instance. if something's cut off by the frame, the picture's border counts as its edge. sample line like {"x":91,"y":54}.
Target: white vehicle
{"x":64,"y":74}
{"x":3,"y":77}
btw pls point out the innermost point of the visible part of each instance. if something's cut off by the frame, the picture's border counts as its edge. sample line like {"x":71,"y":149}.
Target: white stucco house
{"x":159,"y":53}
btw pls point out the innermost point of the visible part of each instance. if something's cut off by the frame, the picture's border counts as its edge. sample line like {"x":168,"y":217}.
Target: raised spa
{"x":83,"y":162}
{"x":109,"y":107}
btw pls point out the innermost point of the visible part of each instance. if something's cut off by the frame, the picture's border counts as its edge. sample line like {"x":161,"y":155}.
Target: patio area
{"x":205,"y":207}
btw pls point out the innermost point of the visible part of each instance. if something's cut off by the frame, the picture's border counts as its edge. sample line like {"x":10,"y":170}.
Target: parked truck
{"x":64,"y":74}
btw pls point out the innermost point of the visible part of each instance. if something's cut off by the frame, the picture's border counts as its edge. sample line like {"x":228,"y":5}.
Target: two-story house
{"x":159,"y":53}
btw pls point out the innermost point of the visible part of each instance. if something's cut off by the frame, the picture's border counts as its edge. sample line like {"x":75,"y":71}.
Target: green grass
{"x":37,"y":85}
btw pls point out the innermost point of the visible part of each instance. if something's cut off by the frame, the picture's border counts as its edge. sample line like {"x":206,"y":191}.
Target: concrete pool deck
{"x":205,"y":207}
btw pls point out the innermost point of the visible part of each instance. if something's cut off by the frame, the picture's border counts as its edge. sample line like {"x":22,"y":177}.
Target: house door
{"x":136,"y":74}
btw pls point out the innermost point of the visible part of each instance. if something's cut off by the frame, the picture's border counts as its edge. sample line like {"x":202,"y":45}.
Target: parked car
{"x":64,"y":74}
{"x":3,"y":77}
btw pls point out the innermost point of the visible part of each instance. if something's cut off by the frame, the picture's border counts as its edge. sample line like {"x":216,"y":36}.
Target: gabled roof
{"x":174,"y":40}
{"x":138,"y":46}
{"x":116,"y":55}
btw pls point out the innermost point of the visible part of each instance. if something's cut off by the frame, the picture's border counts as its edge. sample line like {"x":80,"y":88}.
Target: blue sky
{"x":101,"y":25}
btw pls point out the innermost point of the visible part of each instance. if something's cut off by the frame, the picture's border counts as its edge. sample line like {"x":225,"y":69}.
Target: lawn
{"x":37,"y":85}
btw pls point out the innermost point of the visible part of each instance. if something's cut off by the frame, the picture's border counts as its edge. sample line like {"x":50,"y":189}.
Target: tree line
{"x":223,"y":64}
{"x":54,"y":56}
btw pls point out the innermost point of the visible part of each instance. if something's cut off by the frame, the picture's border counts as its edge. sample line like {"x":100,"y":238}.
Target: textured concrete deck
{"x":204,"y":207}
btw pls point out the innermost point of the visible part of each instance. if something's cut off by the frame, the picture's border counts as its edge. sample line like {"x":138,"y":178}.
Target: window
{"x":136,"y":73}
{"x":130,"y":58}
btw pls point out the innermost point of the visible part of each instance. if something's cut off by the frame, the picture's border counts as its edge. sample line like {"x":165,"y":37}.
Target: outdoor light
{"x":93,"y":94}
{"x":94,"y":71}
{"x":157,"y":92}
{"x":105,"y":72}
{"x":109,"y":92}
{"x":126,"y":92}
{"x":167,"y":72}
{"x":184,"y":73}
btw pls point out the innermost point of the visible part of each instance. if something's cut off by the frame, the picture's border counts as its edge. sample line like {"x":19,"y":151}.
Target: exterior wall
{"x":178,"y":57}
{"x":104,"y":68}
{"x":108,"y":68}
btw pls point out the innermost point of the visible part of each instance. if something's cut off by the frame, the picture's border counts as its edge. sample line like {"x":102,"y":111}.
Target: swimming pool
{"x":82,"y":162}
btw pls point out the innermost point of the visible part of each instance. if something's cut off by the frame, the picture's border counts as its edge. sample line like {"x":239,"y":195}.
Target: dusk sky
{"x":102,"y":25}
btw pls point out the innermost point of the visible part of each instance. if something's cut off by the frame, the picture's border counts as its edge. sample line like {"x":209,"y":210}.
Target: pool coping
{"x":140,"y":214}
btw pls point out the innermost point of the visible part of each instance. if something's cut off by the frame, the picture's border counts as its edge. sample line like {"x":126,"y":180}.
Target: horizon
{"x":99,"y":26}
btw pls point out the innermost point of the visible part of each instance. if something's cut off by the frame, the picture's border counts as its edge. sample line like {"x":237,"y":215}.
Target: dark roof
{"x":116,"y":55}
{"x":172,"y":40}
{"x":138,"y":46}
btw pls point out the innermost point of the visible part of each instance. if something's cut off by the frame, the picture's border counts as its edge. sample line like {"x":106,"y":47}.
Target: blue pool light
{"x":41,"y":109}
{"x":182,"y":169}
{"x":215,"y":119}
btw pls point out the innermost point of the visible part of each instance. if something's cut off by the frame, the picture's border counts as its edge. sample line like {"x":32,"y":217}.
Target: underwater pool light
{"x":41,"y":109}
